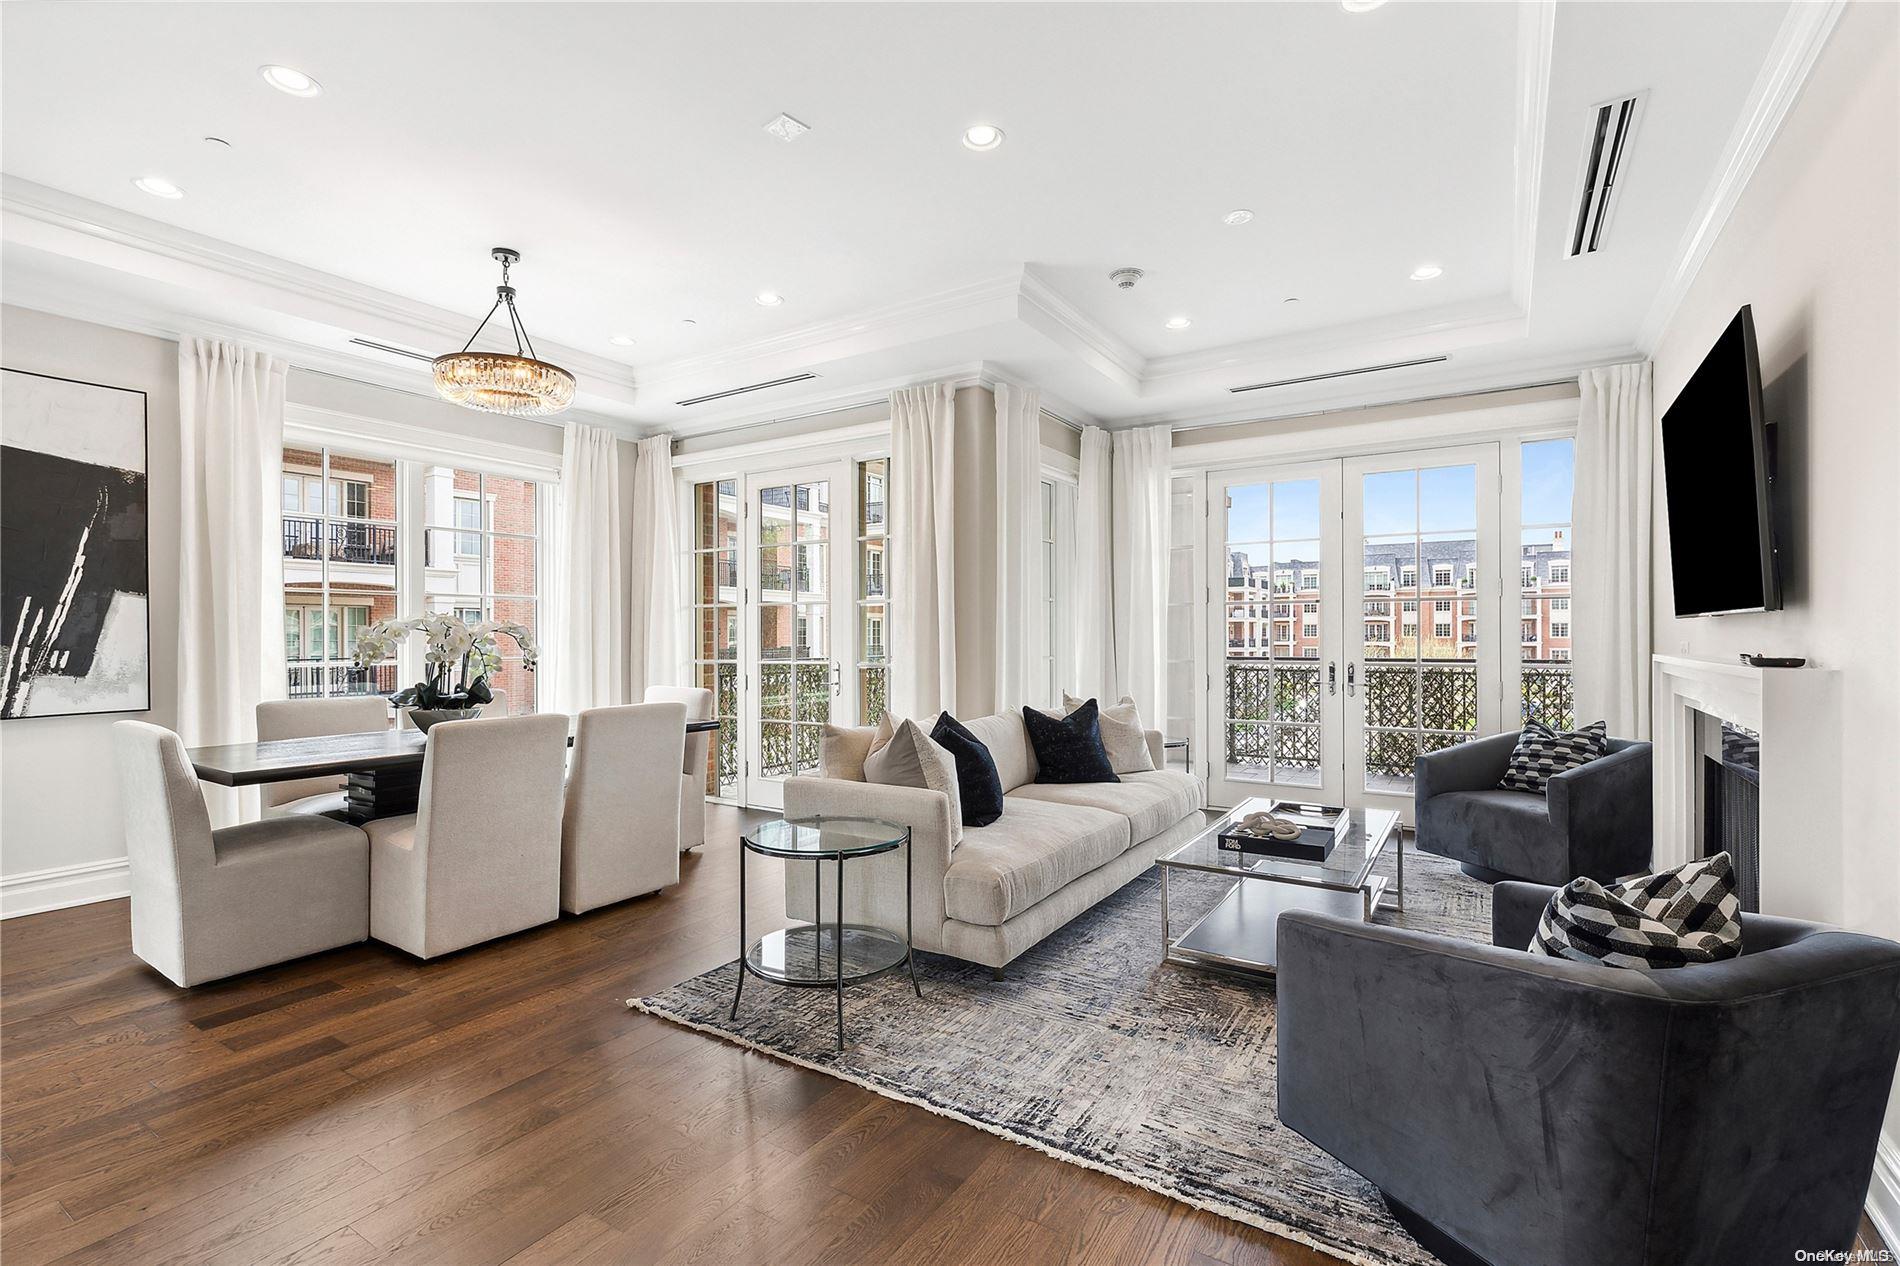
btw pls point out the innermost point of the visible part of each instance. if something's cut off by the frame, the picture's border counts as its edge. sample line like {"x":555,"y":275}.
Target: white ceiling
{"x":620,"y":148}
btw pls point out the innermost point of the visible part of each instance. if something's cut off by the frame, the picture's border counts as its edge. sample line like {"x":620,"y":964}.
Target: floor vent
{"x":392,"y":350}
{"x":1612,"y":125}
{"x":740,"y":391}
{"x":1340,"y":373}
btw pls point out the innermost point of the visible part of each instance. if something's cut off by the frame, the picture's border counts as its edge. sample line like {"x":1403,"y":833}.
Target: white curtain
{"x":1094,"y":621}
{"x":1610,"y":580}
{"x":1140,"y":512}
{"x":1019,"y":547}
{"x":590,"y":603}
{"x":655,"y":605}
{"x":230,"y":546}
{"x":923,"y":459}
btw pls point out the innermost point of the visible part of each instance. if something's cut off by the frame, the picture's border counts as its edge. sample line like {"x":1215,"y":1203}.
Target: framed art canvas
{"x":74,"y":593}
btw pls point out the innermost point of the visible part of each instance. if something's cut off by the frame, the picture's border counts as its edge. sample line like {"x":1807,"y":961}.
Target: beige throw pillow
{"x":1122,"y":735}
{"x":842,"y":749}
{"x":908,"y":757}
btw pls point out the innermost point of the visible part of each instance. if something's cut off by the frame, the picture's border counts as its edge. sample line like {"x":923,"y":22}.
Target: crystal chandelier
{"x":515,"y":383}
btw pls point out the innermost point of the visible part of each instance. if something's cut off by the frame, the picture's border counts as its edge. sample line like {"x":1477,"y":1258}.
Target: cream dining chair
{"x":481,"y":856}
{"x":692,"y":790}
{"x":620,"y":830}
{"x":209,"y":904}
{"x":315,"y":718}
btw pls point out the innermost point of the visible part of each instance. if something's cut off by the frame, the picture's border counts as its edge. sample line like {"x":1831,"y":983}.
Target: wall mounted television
{"x":1718,"y":476}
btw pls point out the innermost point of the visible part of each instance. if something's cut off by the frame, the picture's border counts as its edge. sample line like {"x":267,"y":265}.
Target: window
{"x":1470,"y":580}
{"x":1410,"y":606}
{"x":1560,"y":604}
{"x":1408,"y":576}
{"x":873,"y":596}
{"x":1528,"y":577}
{"x":1545,"y":691}
{"x":1309,"y":581}
{"x":1378,"y":579}
{"x":481,"y":560}
{"x":1376,"y":632}
{"x":1441,"y":575}
{"x":1283,"y":582}
{"x":340,"y":534}
{"x":1442,"y":606}
{"x":1310,"y":630}
{"x":1560,"y":628}
{"x":714,"y":553}
{"x":1310,"y":608}
{"x":1559,"y":573}
{"x":1441,"y":629}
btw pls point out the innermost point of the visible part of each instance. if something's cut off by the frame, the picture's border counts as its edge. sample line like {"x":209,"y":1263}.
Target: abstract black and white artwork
{"x":74,"y":632}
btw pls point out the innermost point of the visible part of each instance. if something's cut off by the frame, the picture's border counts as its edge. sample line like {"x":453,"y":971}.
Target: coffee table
{"x":1238,"y":933}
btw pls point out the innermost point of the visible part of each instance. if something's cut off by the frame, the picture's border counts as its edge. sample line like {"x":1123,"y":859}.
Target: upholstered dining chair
{"x":315,"y":718}
{"x":699,"y":707}
{"x":621,"y":825}
{"x":481,"y":856}
{"x":209,"y":904}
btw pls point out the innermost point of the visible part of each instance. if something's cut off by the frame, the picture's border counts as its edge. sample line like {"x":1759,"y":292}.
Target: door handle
{"x":837,"y":680}
{"x":1349,"y":675}
{"x":1332,"y":677}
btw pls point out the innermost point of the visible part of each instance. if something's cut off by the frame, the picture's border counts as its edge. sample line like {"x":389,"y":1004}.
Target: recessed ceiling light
{"x":1360,"y":6}
{"x":622,"y":340}
{"x":1426,"y":272}
{"x":982,"y":136}
{"x":786,"y":128}
{"x":294,"y":82}
{"x":1179,"y":323}
{"x":159,"y":187}
{"x":768,"y":298}
{"x":1239,"y":215}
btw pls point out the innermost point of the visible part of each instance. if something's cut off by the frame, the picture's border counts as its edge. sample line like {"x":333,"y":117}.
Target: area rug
{"x":1095,"y":1052}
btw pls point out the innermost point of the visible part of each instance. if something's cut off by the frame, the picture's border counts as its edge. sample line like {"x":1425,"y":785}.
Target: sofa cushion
{"x":1032,"y":851}
{"x":1506,"y":831}
{"x":1674,"y":919}
{"x":977,"y":781}
{"x":1124,"y":737}
{"x":1069,"y":749}
{"x":842,"y":749}
{"x":1008,"y":742}
{"x":1152,"y":801}
{"x":913,"y":759}
{"x":1542,"y":753}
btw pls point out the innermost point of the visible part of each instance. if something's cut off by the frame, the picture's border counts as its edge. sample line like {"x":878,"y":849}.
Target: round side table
{"x":820,"y":955}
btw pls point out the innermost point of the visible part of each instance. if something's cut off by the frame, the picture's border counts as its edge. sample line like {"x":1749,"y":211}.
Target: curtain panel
{"x":1616,"y":429}
{"x":1019,"y":547}
{"x":924,"y":639}
{"x":591,"y":604}
{"x":1141,"y":479}
{"x":230,"y":547}
{"x":657,"y":616}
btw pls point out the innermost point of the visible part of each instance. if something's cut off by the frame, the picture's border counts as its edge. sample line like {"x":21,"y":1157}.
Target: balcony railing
{"x":1547,"y":695}
{"x":350,"y":541}
{"x":307,"y":679}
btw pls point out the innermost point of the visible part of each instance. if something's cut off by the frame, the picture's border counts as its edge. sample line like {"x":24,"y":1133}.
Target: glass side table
{"x":819,"y":955}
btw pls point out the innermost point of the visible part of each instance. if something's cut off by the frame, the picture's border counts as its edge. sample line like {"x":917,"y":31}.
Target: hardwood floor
{"x":499,"y":1105}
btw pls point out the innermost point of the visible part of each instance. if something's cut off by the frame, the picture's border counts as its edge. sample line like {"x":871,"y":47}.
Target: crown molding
{"x":1042,"y":308}
{"x":1797,"y":46}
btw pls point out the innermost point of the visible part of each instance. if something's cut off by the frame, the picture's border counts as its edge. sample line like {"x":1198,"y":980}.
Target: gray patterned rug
{"x":1095,"y":1052}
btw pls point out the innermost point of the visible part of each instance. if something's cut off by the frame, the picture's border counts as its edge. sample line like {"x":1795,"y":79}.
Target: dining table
{"x":383,"y":767}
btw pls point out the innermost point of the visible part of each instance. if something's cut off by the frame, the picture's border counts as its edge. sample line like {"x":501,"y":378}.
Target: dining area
{"x":429,"y":840}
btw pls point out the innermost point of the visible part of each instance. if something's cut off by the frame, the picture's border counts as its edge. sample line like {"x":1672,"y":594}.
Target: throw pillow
{"x":1679,"y":917}
{"x":910,"y":758}
{"x":1542,"y":752}
{"x":1069,"y":749}
{"x":842,"y":749}
{"x":1123,"y":736}
{"x":978,"y":783}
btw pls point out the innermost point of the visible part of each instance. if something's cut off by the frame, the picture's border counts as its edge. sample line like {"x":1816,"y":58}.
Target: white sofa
{"x":1057,"y":850}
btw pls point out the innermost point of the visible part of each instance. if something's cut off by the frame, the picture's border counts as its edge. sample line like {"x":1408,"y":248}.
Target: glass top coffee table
{"x":1238,"y":933}
{"x":817,"y":955}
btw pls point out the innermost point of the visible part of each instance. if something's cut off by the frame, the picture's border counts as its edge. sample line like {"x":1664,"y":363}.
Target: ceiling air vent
{"x":740,"y":391}
{"x":1612,"y":124}
{"x":1341,"y":373}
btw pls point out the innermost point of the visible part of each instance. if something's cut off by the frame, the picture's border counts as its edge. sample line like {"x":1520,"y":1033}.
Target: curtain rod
{"x":1383,"y":404}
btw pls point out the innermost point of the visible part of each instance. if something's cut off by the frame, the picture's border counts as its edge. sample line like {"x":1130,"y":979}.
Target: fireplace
{"x":1731,"y":807}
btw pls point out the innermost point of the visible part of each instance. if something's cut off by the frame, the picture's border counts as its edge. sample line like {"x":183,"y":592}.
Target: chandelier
{"x":515,"y":383}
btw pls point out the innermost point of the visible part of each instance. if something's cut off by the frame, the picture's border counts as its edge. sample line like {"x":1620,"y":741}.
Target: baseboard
{"x":1883,"y":1193}
{"x":57,"y":887}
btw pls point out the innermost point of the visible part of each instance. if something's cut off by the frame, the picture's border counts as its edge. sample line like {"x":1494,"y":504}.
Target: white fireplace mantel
{"x":1797,"y":713}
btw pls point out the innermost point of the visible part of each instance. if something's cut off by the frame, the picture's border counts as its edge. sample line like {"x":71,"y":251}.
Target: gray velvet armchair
{"x":1592,"y":820}
{"x":1517,"y":1109}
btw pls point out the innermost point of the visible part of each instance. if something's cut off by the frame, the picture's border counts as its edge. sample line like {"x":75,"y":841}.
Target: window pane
{"x":716,"y":577}
{"x":872,"y":567}
{"x":873,"y":499}
{"x":512,"y":565}
{"x":872,"y":634}
{"x":511,"y":504}
{"x":1549,"y":477}
{"x":451,"y":572}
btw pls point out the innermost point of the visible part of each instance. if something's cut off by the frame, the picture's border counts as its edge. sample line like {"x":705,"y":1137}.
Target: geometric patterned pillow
{"x":1542,"y":752}
{"x":1681,"y":916}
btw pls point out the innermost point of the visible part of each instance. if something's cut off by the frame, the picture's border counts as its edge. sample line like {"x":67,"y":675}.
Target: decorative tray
{"x":1309,"y":834}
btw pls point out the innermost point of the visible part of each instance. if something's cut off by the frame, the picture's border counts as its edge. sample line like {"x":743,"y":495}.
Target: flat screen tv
{"x":1718,"y":475}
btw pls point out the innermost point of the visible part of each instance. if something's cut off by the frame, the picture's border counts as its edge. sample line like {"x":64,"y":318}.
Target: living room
{"x":953,"y":632}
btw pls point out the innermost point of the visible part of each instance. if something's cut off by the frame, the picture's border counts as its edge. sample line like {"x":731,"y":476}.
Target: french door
{"x":795,"y":625}
{"x":1354,"y":622}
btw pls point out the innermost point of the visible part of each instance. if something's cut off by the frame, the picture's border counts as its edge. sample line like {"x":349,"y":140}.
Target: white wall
{"x":1812,"y":246}
{"x":58,"y":803}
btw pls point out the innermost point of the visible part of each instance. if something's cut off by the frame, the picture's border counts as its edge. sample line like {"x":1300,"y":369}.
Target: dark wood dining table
{"x":384,"y":767}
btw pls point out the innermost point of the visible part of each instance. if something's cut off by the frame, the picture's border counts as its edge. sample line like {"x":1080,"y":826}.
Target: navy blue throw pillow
{"x":1069,"y":749}
{"x":979,"y":786}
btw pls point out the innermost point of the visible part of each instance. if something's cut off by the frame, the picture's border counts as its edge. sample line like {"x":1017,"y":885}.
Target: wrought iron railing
{"x":308,"y":679}
{"x":350,"y":541}
{"x":1548,"y":694}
